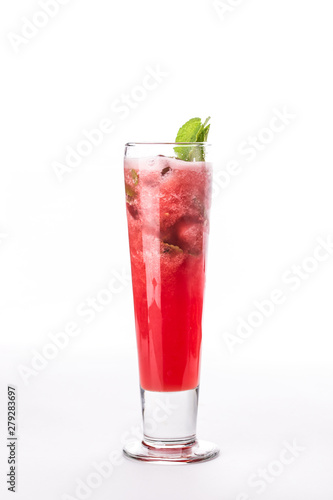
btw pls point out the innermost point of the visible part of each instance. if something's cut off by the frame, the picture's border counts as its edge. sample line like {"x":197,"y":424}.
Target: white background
{"x":61,"y":242}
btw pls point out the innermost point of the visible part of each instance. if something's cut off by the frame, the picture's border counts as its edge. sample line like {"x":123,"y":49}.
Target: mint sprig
{"x":192,"y":131}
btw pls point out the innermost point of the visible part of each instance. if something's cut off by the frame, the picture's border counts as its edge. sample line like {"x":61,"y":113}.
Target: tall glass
{"x":168,"y":203}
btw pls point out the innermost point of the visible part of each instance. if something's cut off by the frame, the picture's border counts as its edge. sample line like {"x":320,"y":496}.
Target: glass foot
{"x":198,"y":451}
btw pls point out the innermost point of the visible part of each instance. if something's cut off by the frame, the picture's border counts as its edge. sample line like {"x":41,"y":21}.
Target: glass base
{"x":169,"y":430}
{"x":198,"y":451}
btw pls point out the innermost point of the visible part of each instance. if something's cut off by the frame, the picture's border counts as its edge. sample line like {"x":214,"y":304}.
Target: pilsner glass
{"x":168,"y":202}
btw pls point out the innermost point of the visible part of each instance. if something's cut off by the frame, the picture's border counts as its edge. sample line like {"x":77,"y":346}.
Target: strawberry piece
{"x":190,"y":236}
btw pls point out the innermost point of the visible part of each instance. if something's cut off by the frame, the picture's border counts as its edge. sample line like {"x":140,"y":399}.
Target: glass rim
{"x":131,"y":144}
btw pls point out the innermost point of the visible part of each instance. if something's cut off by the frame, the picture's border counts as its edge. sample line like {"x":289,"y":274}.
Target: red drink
{"x":167,"y":210}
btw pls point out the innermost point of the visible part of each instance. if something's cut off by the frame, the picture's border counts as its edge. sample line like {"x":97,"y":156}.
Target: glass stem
{"x":169,"y":418}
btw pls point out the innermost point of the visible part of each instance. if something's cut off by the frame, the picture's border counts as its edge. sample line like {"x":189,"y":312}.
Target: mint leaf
{"x":189,"y":131}
{"x":192,"y":131}
{"x":135,"y":176}
{"x":203,"y":132}
{"x":129,"y":191}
